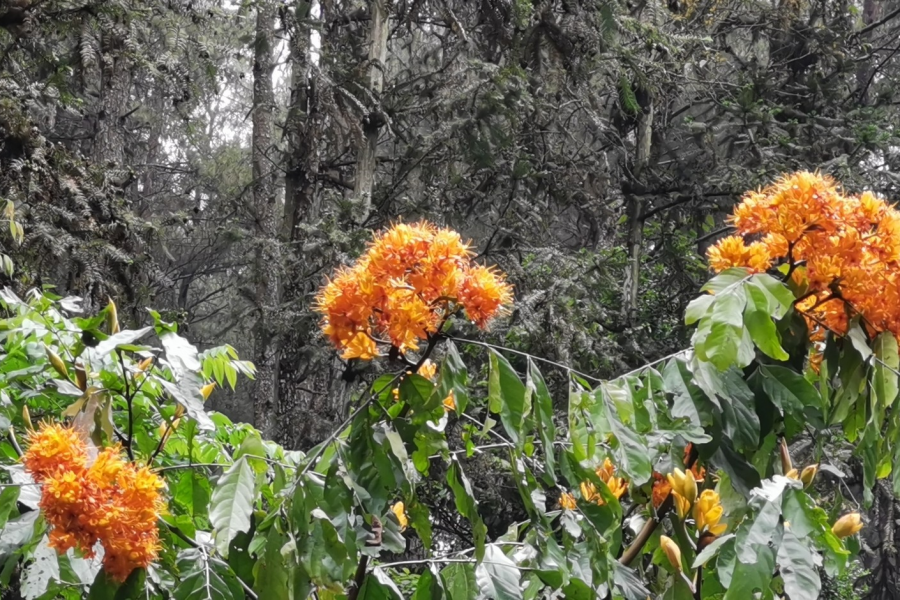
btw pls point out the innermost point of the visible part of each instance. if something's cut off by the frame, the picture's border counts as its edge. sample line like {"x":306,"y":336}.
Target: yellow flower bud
{"x":145,"y":364}
{"x":793,"y":474}
{"x":684,"y":484}
{"x":57,"y":362}
{"x":786,"y":464}
{"x":80,"y":377}
{"x":26,"y":418}
{"x":672,"y":551}
{"x":809,"y":474}
{"x":112,"y":317}
{"x":179,"y":411}
{"x":848,"y":525}
{"x":399,"y":511}
{"x":207,"y":389}
{"x":682,"y":506}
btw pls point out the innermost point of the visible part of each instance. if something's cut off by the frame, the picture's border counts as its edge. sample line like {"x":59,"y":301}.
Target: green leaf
{"x":180,"y":354}
{"x":858,"y":338}
{"x":634,"y":456}
{"x":18,"y":532}
{"x":467,"y":505}
{"x":543,"y":405}
{"x":779,"y":298}
{"x":273,"y":578}
{"x":41,"y":571}
{"x":459,"y":581}
{"x":507,"y":396}
{"x":454,"y":377}
{"x":420,"y":519}
{"x":689,"y":401}
{"x":379,"y":586}
{"x":103,"y":587}
{"x":497,"y":576}
{"x":750,"y":578}
{"x":187,"y":393}
{"x":122,"y":338}
{"x":628,"y":581}
{"x":8,"y":497}
{"x":253,"y":448}
{"x":430,"y":585}
{"x":726,"y":280}
{"x":205,"y":578}
{"x":791,"y":392}
{"x":232,"y":503}
{"x":754,"y":536}
{"x":709,"y":551}
{"x":798,"y":569}
{"x":759,"y":323}
{"x":698,"y":308}
{"x":884,"y":375}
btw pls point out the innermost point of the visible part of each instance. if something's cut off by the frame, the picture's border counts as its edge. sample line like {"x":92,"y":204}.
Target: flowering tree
{"x":675,"y":480}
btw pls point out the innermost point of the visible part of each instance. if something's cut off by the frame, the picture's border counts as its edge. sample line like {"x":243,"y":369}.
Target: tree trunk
{"x":265,"y":399}
{"x":865,"y":72}
{"x":373,"y":122}
{"x":115,"y":79}
{"x":635,"y":210}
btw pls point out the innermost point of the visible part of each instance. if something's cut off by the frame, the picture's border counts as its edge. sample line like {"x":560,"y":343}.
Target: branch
{"x":637,"y":545}
{"x":876,"y":24}
{"x":128,"y":399}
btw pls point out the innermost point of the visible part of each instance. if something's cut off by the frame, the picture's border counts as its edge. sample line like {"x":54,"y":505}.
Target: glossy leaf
{"x":497,"y":576}
{"x":507,"y":396}
{"x":232,"y":503}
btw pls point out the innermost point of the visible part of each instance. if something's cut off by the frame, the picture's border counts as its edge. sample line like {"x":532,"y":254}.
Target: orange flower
{"x":450,"y":402}
{"x":428,"y":370}
{"x":567,"y":501}
{"x":110,"y":501}
{"x":849,"y":246}
{"x":661,"y":490}
{"x":410,"y":280}
{"x":54,"y":447}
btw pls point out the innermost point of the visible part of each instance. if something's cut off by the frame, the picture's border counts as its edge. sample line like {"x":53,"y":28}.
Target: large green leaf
{"x":798,"y":569}
{"x":629,"y":583}
{"x":459,"y":581}
{"x":232,"y":503}
{"x":689,"y":401}
{"x":634,"y":452}
{"x":778,"y":297}
{"x":467,"y":505}
{"x":378,"y":586}
{"x":454,"y":376}
{"x":726,"y":280}
{"x":884,"y":375}
{"x":120,"y":339}
{"x":187,"y":393}
{"x":759,"y":323}
{"x":747,"y":579}
{"x":274,"y":576}
{"x":790,"y":391}
{"x":205,"y":578}
{"x":508,"y":396}
{"x":430,"y":585}
{"x":498,"y":576}
{"x":180,"y":354}
{"x":543,"y":412}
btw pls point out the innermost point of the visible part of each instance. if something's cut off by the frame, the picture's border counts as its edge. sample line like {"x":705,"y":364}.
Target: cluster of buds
{"x":606,"y":472}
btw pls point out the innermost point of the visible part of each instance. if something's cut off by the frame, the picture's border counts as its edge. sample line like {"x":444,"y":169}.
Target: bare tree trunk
{"x":635,"y":210}
{"x":265,"y":399}
{"x":373,"y":122}
{"x":865,"y":72}
{"x":115,"y":77}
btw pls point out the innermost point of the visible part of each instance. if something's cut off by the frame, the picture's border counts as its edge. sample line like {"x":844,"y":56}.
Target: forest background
{"x":216,"y":160}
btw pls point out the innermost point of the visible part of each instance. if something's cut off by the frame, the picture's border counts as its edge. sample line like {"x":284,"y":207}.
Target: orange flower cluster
{"x":606,"y":472}
{"x":110,"y":500}
{"x":412,"y":278}
{"x":847,"y":248}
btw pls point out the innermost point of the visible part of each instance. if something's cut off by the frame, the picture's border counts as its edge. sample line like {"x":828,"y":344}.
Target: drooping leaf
{"x":187,"y":393}
{"x":232,"y":503}
{"x":467,"y":505}
{"x":120,"y":339}
{"x":459,"y":581}
{"x":507,"y":395}
{"x":543,"y":404}
{"x":497,"y":575}
{"x":634,"y":452}
{"x":886,"y":366}
{"x":797,"y":568}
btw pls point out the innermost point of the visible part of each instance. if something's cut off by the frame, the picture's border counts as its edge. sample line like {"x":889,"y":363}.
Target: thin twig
{"x":128,"y":400}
